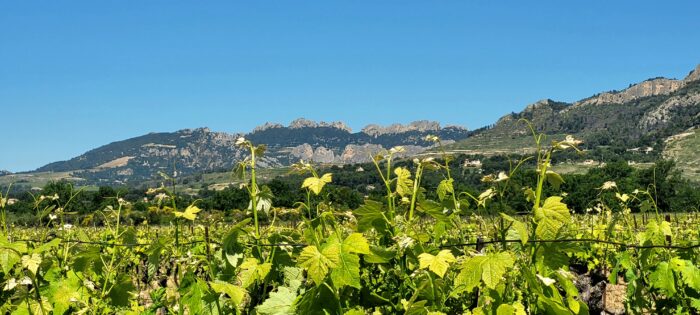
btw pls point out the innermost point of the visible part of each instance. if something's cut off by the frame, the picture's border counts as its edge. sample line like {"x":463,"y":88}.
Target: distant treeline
{"x":352,"y":184}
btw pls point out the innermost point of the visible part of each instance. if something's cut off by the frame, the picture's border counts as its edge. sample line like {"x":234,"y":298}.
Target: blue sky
{"x":78,"y":74}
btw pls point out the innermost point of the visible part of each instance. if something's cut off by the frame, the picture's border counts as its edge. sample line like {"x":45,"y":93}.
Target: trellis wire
{"x":478,"y":243}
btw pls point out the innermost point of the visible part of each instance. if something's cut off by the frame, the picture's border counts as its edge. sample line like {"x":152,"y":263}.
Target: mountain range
{"x":191,"y":151}
{"x":644,"y":114}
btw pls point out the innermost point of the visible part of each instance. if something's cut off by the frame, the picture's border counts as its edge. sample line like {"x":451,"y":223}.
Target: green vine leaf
{"x":404,"y":184}
{"x":252,"y":270}
{"x":280,"y":302}
{"x":356,"y":243}
{"x":495,"y":267}
{"x":318,"y":263}
{"x":121,"y":293}
{"x":551,"y":217}
{"x":8,"y":258}
{"x":554,"y":179}
{"x":65,"y":292}
{"x":371,"y":215}
{"x":315,"y":184}
{"x":235,"y":293}
{"x":438,"y":263}
{"x":662,"y":279}
{"x":347,"y":271}
{"x":190,"y":213}
{"x":435,"y":210}
{"x":518,"y":226}
{"x":445,"y":188}
{"x":695,"y":303}
{"x":32,"y":262}
{"x":505,"y":309}
{"x":655,"y":233}
{"x":489,"y":269}
{"x":379,"y":255}
{"x":469,"y":276}
{"x":689,"y":272}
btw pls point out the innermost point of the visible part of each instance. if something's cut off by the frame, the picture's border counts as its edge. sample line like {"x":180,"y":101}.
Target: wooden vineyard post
{"x":668,"y":237}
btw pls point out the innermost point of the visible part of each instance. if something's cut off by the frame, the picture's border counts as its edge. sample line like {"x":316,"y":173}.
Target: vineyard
{"x":403,"y":254}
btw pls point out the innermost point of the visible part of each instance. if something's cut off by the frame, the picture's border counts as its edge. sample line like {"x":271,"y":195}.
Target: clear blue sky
{"x":78,"y":74}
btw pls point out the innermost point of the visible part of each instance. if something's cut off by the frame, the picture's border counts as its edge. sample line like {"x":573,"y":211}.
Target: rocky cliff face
{"x":359,"y":153}
{"x":420,"y":126}
{"x":651,"y":87}
{"x":659,"y":86}
{"x":351,"y":154}
{"x":662,"y":114}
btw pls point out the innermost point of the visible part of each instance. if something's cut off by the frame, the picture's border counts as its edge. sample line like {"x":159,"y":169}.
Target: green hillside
{"x":684,"y":148}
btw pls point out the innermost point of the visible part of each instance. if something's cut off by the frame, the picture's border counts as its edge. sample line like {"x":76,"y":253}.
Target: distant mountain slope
{"x":642,"y":115}
{"x":200,"y":150}
{"x":140,"y":158}
{"x":684,"y":148}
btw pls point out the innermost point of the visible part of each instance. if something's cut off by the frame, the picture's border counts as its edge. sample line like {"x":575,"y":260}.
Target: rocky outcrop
{"x":538,"y":105}
{"x":359,"y":153}
{"x":663,"y":113}
{"x":266,"y":126}
{"x":351,"y":154}
{"x":693,"y":75}
{"x":658,"y":86}
{"x":420,"y":125}
{"x":307,"y":153}
{"x":303,"y":152}
{"x":300,"y":123}
{"x":336,"y":124}
{"x":323,"y":155}
{"x":363,"y":153}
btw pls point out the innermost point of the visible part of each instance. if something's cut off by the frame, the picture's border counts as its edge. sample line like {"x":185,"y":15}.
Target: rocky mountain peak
{"x":266,"y":126}
{"x":304,"y":123}
{"x":336,"y":124}
{"x":420,"y":125}
{"x":693,"y":75}
{"x":197,"y":130}
{"x":538,"y":104}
